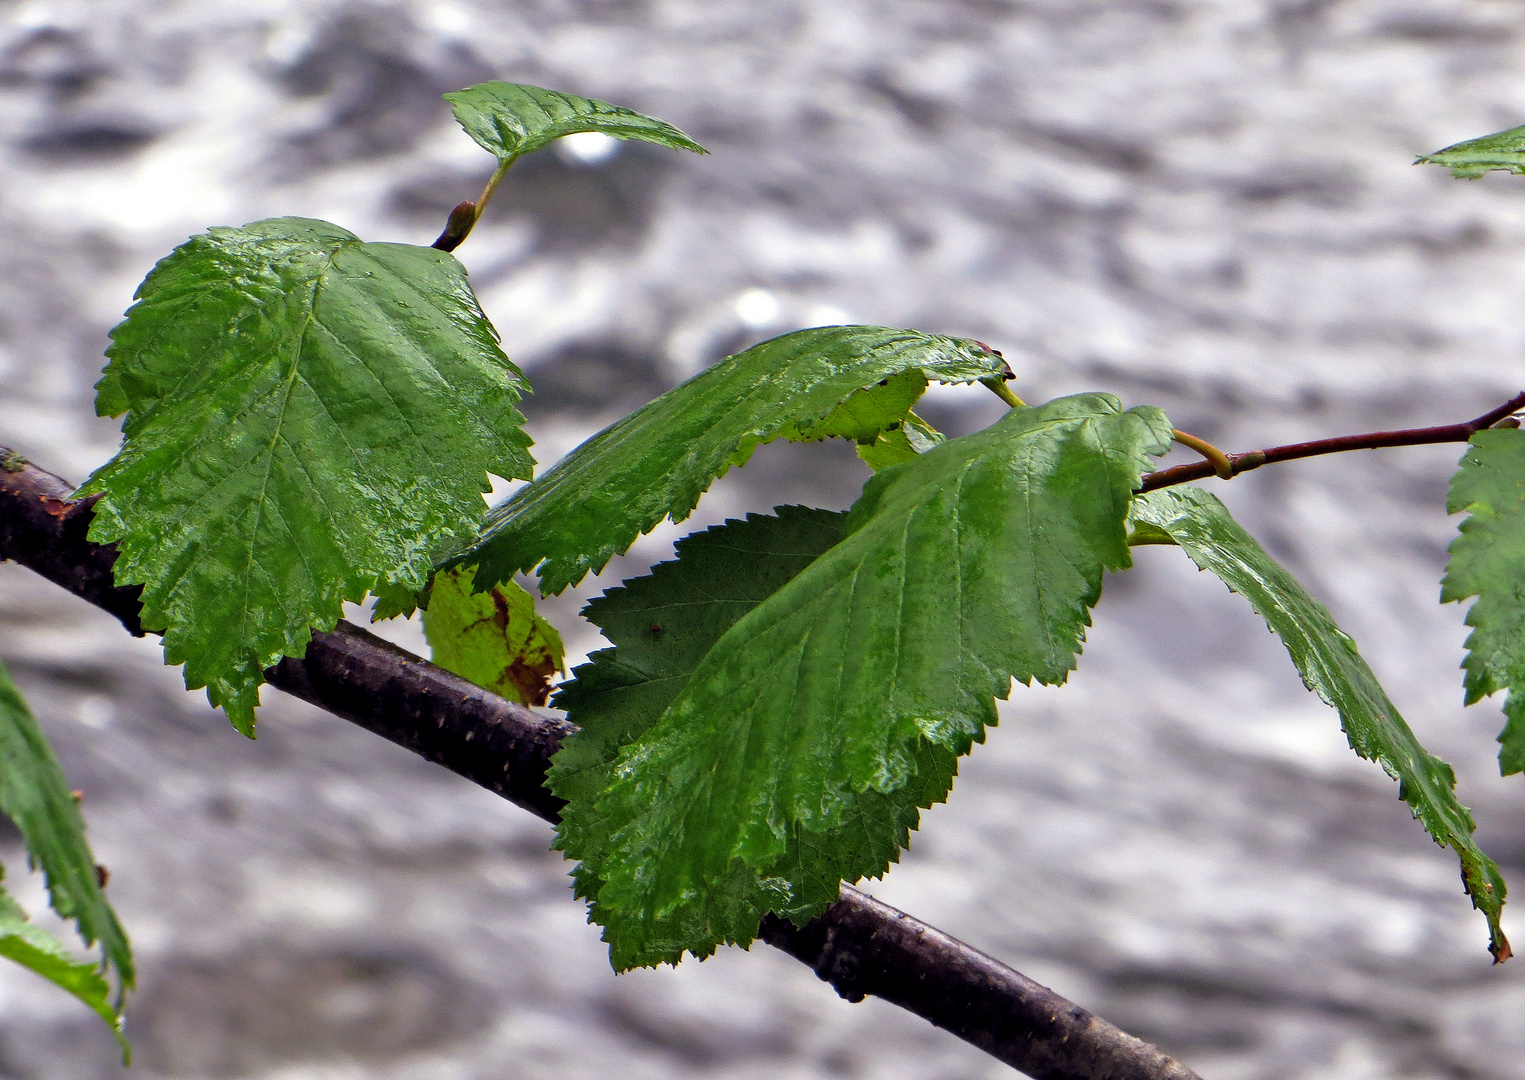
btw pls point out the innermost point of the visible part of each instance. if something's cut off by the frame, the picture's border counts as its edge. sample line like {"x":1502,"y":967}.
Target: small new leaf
{"x":1333,"y":669}
{"x":1488,"y":562}
{"x":33,"y":947}
{"x":656,"y":462}
{"x":35,"y":795}
{"x":509,"y":120}
{"x":803,"y":744}
{"x":308,"y":417}
{"x":1503,"y":151}
{"x":493,"y":638}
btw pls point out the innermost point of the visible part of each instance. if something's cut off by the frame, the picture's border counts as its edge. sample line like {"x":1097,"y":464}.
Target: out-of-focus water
{"x":1206,"y":206}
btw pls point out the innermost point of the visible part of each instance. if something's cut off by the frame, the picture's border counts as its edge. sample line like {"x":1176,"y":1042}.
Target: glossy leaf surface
{"x":661,"y":626}
{"x":656,"y":462}
{"x":308,"y":417}
{"x":510,"y":119}
{"x":35,"y":794}
{"x":806,"y":739}
{"x":493,"y":638}
{"x":1332,"y":668}
{"x":1488,"y":562}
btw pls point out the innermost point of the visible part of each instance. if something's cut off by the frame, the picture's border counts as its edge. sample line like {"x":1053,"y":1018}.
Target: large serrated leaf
{"x":1503,"y":151}
{"x":1488,"y":562}
{"x":1333,"y":669}
{"x":35,"y":795}
{"x":807,"y":738}
{"x":33,"y":947}
{"x":308,"y":416}
{"x":661,"y":626}
{"x":510,"y":119}
{"x":656,"y":462}
{"x":494,"y":638}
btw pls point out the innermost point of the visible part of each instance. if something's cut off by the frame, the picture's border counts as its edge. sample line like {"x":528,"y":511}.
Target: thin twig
{"x":1375,"y":440}
{"x":858,"y":945}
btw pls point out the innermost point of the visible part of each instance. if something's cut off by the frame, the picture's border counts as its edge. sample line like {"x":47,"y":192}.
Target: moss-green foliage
{"x":656,"y":462}
{"x":1503,"y":150}
{"x":35,"y":795}
{"x":308,"y":417}
{"x":804,"y":742}
{"x":1488,"y":562}
{"x":1333,"y":669}
{"x":509,"y":119}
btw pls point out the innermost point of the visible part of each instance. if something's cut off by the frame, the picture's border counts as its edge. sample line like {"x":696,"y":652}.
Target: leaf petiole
{"x":1215,"y":457}
{"x":998,"y":387}
{"x":492,"y":184}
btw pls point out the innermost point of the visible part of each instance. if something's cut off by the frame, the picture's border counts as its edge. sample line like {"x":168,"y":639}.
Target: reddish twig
{"x":1375,"y":440}
{"x":858,"y":945}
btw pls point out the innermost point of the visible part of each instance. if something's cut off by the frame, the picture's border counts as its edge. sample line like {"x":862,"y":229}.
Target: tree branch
{"x":858,"y":945}
{"x":1254,"y":459}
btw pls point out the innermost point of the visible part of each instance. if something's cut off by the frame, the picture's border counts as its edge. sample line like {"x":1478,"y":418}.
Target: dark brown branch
{"x":1375,"y":440}
{"x":858,"y":945}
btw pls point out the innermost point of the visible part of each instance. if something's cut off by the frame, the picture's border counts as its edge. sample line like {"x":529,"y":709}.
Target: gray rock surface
{"x":1206,"y":206}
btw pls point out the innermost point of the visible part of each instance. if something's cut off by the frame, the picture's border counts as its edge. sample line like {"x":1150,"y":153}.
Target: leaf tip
{"x":1500,"y":948}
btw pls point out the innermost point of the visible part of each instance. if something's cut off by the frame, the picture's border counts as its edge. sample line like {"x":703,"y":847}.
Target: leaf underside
{"x":901,"y":442}
{"x":1503,"y":151}
{"x":656,"y":462}
{"x":493,"y":638}
{"x":34,"y":793}
{"x":1333,"y":669}
{"x":309,"y":418}
{"x":1488,"y":562}
{"x":804,"y":743}
{"x":510,"y":119}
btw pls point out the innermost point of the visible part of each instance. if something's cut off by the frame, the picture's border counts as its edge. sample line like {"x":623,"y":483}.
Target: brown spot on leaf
{"x":533,"y":681}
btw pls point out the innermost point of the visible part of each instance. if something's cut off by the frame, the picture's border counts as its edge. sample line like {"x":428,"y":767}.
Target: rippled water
{"x":1204,"y":206}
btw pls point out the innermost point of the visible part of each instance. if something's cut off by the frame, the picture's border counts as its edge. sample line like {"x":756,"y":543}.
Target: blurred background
{"x":1207,"y":206}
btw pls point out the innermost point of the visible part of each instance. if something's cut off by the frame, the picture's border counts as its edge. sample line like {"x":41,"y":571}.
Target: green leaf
{"x":1333,"y":669}
{"x":805,"y":740}
{"x":656,"y":462}
{"x":865,"y":414}
{"x":1503,"y":150}
{"x":662,"y":626}
{"x":493,"y":638}
{"x":509,"y":120}
{"x":1488,"y":562}
{"x":901,"y":442}
{"x":35,"y":795}
{"x":393,"y":600}
{"x":308,"y":417}
{"x":35,"y":948}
